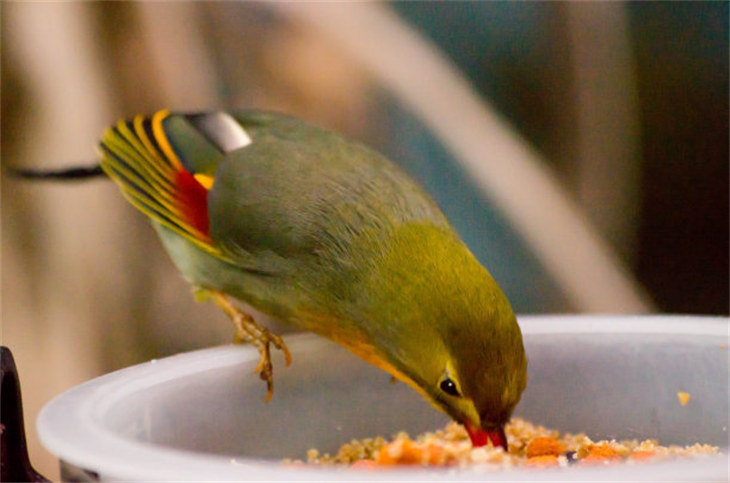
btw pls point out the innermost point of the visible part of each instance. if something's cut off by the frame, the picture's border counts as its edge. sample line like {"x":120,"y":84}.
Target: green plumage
{"x":328,"y":235}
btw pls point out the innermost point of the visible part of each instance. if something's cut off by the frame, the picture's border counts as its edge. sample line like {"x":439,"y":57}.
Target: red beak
{"x":479,"y":436}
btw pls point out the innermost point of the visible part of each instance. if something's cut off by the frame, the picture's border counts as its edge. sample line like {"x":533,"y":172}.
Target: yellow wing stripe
{"x":161,"y":139}
{"x":147,"y":171}
{"x":205,"y":180}
{"x":138,"y":154}
{"x":163,"y":192}
{"x":150,"y":163}
{"x":159,"y":172}
{"x":159,"y":165}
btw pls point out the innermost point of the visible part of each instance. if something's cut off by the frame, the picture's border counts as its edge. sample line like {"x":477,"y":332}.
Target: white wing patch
{"x":223,"y":131}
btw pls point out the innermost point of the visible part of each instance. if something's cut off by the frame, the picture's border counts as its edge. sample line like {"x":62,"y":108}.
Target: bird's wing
{"x":299,"y":192}
{"x":164,"y":166}
{"x":260,"y":190}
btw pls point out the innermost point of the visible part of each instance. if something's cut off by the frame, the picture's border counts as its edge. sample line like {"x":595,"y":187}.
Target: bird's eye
{"x":449,"y":387}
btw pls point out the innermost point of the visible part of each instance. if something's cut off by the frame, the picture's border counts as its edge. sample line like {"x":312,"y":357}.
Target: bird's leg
{"x":249,"y":331}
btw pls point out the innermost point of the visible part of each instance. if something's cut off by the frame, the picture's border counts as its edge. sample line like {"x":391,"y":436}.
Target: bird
{"x":326,"y":234}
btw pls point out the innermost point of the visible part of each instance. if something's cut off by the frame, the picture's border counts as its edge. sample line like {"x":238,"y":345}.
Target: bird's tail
{"x":76,"y":173}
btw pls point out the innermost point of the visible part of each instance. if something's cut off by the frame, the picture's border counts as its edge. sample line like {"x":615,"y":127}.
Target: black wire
{"x":66,"y":174}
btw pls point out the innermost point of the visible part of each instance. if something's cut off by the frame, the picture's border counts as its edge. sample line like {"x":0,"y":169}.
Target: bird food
{"x":530,"y":446}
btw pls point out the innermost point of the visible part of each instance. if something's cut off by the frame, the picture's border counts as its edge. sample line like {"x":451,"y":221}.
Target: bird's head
{"x":484,"y":373}
{"x":478,"y":374}
{"x":442,"y":324}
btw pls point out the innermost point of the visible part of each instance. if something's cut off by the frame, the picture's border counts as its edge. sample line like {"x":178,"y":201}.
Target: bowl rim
{"x":709,"y":325}
{"x":68,"y":425}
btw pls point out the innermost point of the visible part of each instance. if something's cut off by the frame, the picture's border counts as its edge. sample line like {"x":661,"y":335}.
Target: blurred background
{"x":581,"y":149}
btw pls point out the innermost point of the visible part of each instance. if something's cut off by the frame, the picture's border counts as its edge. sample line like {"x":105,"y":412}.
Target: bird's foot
{"x":247,"y":330}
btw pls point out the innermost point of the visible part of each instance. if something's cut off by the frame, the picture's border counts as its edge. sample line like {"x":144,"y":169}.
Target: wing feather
{"x":139,"y":157}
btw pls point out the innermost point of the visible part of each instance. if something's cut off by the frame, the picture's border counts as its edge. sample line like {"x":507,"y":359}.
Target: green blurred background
{"x":622,"y":106}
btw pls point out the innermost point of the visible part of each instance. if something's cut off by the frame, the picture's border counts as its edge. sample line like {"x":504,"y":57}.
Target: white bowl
{"x":202,"y":416}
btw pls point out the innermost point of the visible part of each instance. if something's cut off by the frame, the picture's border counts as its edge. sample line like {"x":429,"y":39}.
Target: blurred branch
{"x":607,"y":160}
{"x":46,"y":321}
{"x":172,"y":33}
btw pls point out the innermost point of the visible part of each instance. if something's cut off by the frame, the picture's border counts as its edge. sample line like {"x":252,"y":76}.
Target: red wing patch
{"x":138,"y":157}
{"x":193,"y":202}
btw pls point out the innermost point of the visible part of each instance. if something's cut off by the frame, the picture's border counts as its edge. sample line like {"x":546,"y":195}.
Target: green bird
{"x":326,"y":234}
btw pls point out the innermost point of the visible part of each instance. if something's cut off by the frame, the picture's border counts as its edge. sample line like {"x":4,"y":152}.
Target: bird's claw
{"x":266,"y":370}
{"x":279,"y":344}
{"x":248,"y":331}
